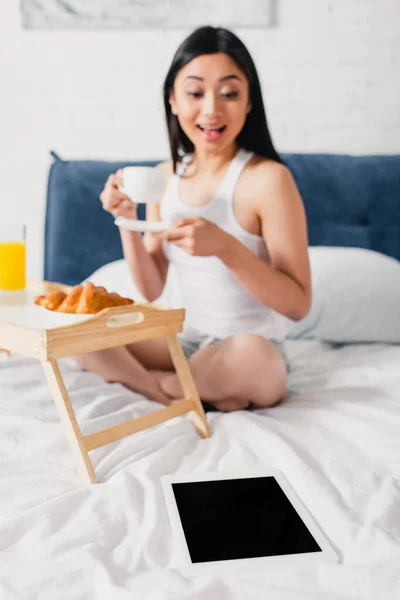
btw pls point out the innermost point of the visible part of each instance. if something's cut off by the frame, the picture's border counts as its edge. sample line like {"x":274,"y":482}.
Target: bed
{"x":336,"y":438}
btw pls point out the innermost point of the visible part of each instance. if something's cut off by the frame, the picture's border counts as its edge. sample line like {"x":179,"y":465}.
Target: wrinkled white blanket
{"x":336,"y":439}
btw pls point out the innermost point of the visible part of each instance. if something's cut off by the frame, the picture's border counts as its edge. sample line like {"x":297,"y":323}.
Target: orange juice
{"x":12,"y":265}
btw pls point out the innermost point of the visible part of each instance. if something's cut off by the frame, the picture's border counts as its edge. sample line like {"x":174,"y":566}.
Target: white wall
{"x":329,"y":71}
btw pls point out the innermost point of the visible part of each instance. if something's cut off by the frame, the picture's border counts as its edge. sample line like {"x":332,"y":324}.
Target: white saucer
{"x":143,"y":226}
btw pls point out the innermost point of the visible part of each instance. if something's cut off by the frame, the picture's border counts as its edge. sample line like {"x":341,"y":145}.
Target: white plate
{"x":143,"y":226}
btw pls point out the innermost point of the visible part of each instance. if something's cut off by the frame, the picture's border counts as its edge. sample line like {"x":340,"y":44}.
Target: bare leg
{"x":119,"y":365}
{"x":239,"y":371}
{"x":152,"y":354}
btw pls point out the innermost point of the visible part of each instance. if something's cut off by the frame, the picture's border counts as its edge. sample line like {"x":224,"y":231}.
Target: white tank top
{"x":216,"y":303}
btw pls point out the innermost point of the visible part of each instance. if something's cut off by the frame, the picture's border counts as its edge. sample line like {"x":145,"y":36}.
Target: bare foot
{"x":160,"y":397}
{"x":169,"y":383}
{"x":227,"y":405}
{"x":231,"y":404}
{"x":153,"y":393}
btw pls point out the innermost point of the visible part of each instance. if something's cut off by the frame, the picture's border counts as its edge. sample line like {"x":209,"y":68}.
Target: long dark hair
{"x":255,"y":135}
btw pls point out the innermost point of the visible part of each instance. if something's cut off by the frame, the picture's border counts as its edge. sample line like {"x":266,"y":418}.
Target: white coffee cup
{"x":143,"y":185}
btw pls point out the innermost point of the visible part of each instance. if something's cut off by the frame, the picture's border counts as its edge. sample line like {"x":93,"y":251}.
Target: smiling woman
{"x":215,"y":72}
{"x":211,"y":96}
{"x":238,"y":239}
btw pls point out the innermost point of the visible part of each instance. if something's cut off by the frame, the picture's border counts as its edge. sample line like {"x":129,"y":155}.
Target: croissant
{"x":82,"y":299}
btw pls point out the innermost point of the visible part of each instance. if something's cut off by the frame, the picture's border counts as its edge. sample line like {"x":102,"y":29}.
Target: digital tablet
{"x":228,"y":522}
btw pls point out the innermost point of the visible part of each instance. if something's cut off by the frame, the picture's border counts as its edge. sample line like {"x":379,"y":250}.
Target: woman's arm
{"x":285,"y":284}
{"x":147,"y":263}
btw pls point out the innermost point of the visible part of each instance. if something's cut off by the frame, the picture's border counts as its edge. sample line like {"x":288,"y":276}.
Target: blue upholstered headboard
{"x":349,"y":200}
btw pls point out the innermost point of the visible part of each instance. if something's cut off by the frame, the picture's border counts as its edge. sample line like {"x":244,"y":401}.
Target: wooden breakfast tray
{"x":34,"y":331}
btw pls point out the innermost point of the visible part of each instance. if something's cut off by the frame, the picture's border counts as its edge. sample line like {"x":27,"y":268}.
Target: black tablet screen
{"x":240,"y":518}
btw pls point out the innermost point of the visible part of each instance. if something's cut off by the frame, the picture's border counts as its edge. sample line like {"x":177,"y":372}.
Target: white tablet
{"x":229,"y":522}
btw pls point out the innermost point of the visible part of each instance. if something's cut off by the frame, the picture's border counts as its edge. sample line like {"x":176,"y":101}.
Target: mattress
{"x":336,"y":439}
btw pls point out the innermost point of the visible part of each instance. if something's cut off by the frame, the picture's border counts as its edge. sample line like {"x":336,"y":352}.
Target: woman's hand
{"x":115,"y":202}
{"x":198,"y":237}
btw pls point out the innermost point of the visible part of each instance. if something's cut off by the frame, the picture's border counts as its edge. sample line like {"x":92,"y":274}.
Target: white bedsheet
{"x":336,"y":439}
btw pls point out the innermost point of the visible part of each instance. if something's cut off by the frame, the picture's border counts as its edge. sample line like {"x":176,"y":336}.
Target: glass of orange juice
{"x":12,"y":257}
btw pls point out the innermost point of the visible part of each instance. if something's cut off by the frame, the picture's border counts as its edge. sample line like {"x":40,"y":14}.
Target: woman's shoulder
{"x":267,"y":171}
{"x":266,"y":178}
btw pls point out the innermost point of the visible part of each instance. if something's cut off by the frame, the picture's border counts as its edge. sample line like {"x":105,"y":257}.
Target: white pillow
{"x":356,"y":297}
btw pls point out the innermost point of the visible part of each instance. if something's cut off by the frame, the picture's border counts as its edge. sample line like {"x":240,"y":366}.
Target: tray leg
{"x":188,"y":385}
{"x":68,"y":420}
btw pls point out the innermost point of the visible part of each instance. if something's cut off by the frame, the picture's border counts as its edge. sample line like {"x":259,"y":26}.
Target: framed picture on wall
{"x":144,"y":14}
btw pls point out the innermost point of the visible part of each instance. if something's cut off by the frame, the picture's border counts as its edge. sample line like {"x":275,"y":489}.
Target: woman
{"x":238,"y":244}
